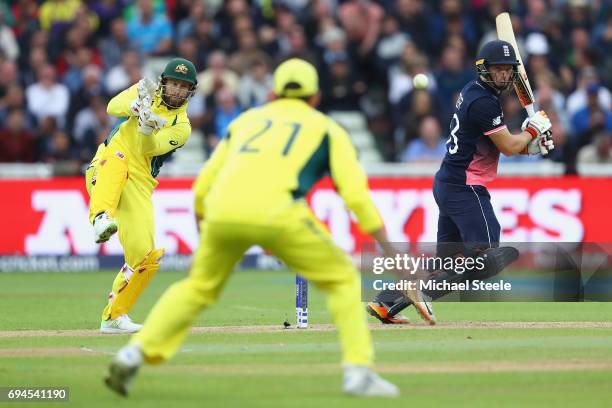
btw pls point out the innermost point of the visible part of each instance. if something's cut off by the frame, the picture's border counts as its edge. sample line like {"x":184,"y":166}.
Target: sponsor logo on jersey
{"x":497,"y":121}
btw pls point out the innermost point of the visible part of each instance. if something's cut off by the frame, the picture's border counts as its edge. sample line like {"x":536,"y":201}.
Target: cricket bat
{"x":522,"y":86}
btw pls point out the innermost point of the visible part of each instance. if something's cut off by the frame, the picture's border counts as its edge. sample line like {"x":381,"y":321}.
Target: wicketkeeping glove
{"x":146,"y":91}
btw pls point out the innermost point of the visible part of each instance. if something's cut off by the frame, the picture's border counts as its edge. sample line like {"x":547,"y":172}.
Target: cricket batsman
{"x":251,"y":192}
{"x":467,"y":225}
{"x":120,"y":180}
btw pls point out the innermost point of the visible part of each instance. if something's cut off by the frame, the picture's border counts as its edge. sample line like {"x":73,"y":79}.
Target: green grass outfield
{"x":480,"y":355}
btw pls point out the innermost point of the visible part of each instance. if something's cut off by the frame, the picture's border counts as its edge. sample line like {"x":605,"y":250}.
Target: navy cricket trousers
{"x":466,"y":222}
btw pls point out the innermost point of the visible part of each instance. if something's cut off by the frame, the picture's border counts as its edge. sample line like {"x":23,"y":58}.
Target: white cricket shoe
{"x":361,"y":381}
{"x":122,"y":324}
{"x":104,"y":227}
{"x":124,"y":368}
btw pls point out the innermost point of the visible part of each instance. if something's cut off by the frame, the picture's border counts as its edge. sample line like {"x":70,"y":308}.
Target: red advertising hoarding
{"x":49,"y":217}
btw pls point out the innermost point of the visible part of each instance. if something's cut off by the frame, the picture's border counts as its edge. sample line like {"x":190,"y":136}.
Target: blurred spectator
{"x":247,"y":53}
{"x":107,"y":11}
{"x":14,"y":99}
{"x":600,"y":151}
{"x":8,"y":42}
{"x":343,"y":85}
{"x":73,"y":78}
{"x":57,"y":14}
{"x":37,"y":58}
{"x":217,"y":76}
{"x":255,"y":85}
{"x":401,"y":75}
{"x":413,"y":21}
{"x":47,"y":97}
{"x":602,"y":41}
{"x":187,"y":26}
{"x":206,"y":39}
{"x":114,"y":46}
{"x":429,"y":146}
{"x":226,"y":110}
{"x":578,"y":99}
{"x":16,"y":142}
{"x":452,"y":76}
{"x":150,"y":34}
{"x":91,"y":126}
{"x":415,"y":107}
{"x":59,"y":151}
{"x":122,"y":76}
{"x":8,"y":76}
{"x":91,"y":88}
{"x":591,"y":119}
{"x":362,"y":22}
{"x":391,"y":44}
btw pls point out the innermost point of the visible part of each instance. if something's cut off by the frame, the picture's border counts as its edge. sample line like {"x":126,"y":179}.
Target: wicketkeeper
{"x":120,"y":180}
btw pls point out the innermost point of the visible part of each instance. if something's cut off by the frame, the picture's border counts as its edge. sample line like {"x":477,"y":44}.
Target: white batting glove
{"x":539,"y":126}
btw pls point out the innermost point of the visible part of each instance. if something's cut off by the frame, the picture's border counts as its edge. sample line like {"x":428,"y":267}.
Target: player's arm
{"x":130,"y":101}
{"x":119,"y":105}
{"x":165,"y":140}
{"x":207,"y":175}
{"x":510,"y":144}
{"x":535,"y":130}
{"x":352,"y":183}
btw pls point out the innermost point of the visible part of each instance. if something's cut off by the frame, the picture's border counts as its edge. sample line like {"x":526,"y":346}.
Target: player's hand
{"x":156,"y":121}
{"x":146,"y":87}
{"x":537,"y":125}
{"x":144,"y":125}
{"x":541,"y":144}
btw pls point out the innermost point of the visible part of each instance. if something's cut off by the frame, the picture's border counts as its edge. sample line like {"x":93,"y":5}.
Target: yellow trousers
{"x":298,"y":239}
{"x":112,"y":190}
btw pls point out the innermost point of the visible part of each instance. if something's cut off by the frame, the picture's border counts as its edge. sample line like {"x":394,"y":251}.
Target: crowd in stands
{"x":62,"y":60}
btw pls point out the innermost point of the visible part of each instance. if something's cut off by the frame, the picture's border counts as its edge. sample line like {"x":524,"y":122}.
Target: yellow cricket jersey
{"x":271,"y":157}
{"x":145,"y":154}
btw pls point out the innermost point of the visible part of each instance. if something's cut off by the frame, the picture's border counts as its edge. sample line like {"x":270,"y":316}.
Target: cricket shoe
{"x":422,"y":304}
{"x":104,"y":227}
{"x":361,"y":381}
{"x":124,"y":368}
{"x":122,"y":324}
{"x":381,"y":312}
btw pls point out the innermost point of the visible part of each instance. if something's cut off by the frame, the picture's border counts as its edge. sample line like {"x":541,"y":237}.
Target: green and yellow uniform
{"x":121,"y":180}
{"x":251,"y":192}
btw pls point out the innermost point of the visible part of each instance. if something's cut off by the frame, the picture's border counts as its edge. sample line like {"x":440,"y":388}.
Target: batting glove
{"x":539,"y":127}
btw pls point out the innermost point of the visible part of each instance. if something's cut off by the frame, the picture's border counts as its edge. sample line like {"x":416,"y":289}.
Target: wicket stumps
{"x":301,"y":302}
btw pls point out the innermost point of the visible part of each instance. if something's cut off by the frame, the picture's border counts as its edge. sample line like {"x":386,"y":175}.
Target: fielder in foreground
{"x":251,"y":192}
{"x":121,"y":177}
{"x":467,"y":225}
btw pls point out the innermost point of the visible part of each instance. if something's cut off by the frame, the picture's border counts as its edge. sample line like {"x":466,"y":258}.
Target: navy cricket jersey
{"x":471,"y":157}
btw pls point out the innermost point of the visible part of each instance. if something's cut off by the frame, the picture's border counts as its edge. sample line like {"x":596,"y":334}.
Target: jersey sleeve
{"x":207,"y":175}
{"x":486,"y":115}
{"x":165,"y":140}
{"x":119,"y":106}
{"x":350,"y":179}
